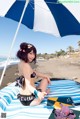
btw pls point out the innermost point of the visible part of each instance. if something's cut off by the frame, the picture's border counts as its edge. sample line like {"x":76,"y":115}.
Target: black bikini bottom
{"x":26,"y":99}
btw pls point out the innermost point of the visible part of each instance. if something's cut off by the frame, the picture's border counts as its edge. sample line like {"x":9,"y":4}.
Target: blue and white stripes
{"x":14,"y":109}
{"x":49,"y":16}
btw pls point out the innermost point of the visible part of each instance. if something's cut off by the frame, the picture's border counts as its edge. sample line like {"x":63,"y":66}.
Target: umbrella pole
{"x":14,"y":39}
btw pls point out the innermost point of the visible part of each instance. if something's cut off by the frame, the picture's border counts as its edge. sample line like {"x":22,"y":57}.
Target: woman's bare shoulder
{"x":25,"y":69}
{"x":27,"y":66}
{"x":23,"y":64}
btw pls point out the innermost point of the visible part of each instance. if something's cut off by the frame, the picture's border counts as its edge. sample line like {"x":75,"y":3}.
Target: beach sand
{"x":56,"y":68}
{"x":10,"y":75}
{"x":61,"y":68}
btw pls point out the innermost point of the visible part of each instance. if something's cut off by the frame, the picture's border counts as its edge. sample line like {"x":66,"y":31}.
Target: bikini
{"x":25,"y":99}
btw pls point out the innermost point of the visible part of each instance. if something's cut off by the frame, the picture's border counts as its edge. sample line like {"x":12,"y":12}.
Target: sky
{"x":45,"y":43}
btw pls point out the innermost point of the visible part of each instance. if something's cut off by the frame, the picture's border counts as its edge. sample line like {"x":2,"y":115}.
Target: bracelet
{"x":36,"y":93}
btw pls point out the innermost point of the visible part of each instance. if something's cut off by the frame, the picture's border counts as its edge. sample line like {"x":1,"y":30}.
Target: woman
{"x":29,"y":94}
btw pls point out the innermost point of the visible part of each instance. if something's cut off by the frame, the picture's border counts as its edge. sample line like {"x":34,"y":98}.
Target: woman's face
{"x":31,"y":56}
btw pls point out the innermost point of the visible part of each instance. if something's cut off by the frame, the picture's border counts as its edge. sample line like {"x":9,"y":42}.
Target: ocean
{"x":11,"y":61}
{"x":2,"y":59}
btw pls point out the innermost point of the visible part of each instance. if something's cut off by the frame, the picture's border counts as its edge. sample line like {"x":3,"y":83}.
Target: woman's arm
{"x":43,"y":76}
{"x":39,"y":74}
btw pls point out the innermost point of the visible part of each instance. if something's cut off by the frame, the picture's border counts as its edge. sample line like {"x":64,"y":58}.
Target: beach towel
{"x":57,"y":101}
{"x":11,"y":108}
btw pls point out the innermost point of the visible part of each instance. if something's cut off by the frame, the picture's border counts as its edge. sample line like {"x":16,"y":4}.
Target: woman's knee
{"x":45,"y":80}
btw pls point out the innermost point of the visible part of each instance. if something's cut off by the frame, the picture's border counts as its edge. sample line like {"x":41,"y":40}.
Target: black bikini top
{"x":20,"y":81}
{"x":33,"y":75}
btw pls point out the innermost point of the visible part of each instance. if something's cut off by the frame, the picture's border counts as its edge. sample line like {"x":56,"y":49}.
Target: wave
{"x":11,"y":62}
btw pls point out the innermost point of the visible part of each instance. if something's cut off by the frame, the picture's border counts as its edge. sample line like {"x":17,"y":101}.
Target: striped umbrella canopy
{"x":49,"y":16}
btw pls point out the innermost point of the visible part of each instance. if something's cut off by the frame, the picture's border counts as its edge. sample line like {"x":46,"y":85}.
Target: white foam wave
{"x":11,"y":62}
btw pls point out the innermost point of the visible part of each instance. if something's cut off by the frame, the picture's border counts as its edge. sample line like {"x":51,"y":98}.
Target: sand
{"x":10,"y":75}
{"x":67,"y":68}
{"x":59,"y":68}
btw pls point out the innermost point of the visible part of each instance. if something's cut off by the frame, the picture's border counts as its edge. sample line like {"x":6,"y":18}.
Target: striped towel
{"x":11,"y":108}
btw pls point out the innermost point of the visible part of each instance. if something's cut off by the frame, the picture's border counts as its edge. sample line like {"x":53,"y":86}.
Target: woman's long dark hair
{"x":26,"y":48}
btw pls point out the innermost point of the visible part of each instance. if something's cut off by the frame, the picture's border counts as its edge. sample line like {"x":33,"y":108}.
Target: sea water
{"x":11,"y":61}
{"x":2,"y":59}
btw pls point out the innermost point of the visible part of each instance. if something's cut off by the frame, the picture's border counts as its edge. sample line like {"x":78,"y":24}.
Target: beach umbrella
{"x":49,"y":16}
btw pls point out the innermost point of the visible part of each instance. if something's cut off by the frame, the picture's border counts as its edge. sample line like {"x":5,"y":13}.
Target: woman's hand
{"x":48,"y":79}
{"x":41,"y":95}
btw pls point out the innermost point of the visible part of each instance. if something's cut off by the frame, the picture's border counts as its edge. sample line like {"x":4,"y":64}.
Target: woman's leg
{"x":35,"y":102}
{"x":43,"y":85}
